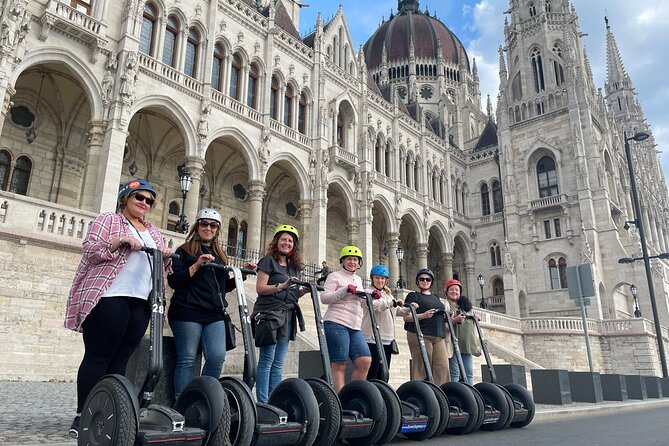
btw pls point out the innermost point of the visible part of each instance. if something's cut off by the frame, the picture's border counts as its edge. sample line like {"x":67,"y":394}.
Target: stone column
{"x":392,"y":240}
{"x":646,"y":225}
{"x":316,"y":238}
{"x":102,"y":173}
{"x":365,"y":238}
{"x":448,"y":266}
{"x":9,"y":92}
{"x":352,"y":228}
{"x":421,"y":254}
{"x":195,"y":166}
{"x":306,"y":207}
{"x":256,"y":195}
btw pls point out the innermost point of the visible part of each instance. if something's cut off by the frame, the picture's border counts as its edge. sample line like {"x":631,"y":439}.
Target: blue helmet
{"x":379,"y":270}
{"x":135,"y":185}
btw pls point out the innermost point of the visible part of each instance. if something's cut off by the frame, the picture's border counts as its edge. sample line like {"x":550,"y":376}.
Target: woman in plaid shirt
{"x":108,"y":301}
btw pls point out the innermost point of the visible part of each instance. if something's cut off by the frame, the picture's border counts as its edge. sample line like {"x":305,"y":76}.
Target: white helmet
{"x":210,"y":214}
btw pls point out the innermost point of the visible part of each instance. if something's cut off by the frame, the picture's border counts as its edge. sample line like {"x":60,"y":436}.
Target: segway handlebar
{"x":306,"y":284}
{"x":229,"y":268}
{"x":153,"y":250}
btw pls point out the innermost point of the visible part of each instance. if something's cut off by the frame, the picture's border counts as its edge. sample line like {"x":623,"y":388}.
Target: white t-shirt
{"x":134,"y":279}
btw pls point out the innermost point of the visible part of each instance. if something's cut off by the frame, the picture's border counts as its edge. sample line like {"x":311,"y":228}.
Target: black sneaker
{"x":74,"y":428}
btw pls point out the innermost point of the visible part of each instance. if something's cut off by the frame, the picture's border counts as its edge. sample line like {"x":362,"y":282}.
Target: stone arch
{"x":88,"y":79}
{"x":349,"y":194}
{"x":522,"y":304}
{"x":386,"y":208}
{"x":249,"y":151}
{"x":297,"y":168}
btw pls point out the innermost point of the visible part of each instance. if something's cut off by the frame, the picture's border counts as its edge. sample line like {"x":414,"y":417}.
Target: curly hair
{"x":294,"y":258}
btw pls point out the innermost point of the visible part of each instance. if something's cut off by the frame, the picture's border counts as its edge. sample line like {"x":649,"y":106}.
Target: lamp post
{"x":639,"y":136}
{"x":637,"y":312}
{"x":400,"y":255}
{"x":481,"y":280}
{"x":185,"y":182}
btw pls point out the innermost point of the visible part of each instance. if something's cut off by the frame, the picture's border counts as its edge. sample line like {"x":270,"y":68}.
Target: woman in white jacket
{"x":386,"y":309}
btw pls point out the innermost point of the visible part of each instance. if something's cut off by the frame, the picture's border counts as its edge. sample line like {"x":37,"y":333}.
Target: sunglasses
{"x":208,"y":224}
{"x":424,"y":279}
{"x":144,"y":198}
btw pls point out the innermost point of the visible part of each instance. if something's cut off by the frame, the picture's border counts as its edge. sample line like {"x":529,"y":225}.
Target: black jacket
{"x":196,"y":299}
{"x":270,"y":317}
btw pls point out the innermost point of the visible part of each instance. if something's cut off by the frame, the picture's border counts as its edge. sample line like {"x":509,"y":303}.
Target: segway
{"x":358,"y":414}
{"x":115,"y":414}
{"x":496,"y":408}
{"x":465,"y":405}
{"x":519,"y":398}
{"x":415,"y":409}
{"x":290,"y":416}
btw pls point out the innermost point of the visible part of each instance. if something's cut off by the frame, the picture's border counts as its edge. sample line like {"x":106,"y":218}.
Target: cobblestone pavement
{"x":40,"y":413}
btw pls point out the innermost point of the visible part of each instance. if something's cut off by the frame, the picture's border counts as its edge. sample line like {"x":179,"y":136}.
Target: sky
{"x":641,"y":30}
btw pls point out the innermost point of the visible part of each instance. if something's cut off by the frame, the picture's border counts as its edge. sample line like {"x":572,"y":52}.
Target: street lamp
{"x":481,"y":280}
{"x":400,"y":255}
{"x":185,"y":182}
{"x":640,"y":136}
{"x":637,"y":312}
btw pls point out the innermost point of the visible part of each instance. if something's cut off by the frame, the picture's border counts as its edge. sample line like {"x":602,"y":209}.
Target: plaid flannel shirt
{"x":99,"y":266}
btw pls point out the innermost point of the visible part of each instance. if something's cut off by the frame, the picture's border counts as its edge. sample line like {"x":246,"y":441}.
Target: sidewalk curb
{"x":546,"y":414}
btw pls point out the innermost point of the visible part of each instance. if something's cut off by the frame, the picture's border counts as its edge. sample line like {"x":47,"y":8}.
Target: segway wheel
{"x":494,"y":397}
{"x":204,"y":405}
{"x":512,"y":407}
{"x":523,"y":397}
{"x":243,"y":416}
{"x":462,"y":397}
{"x":481,"y":407}
{"x":420,"y":394}
{"x":443,"y":408}
{"x":393,"y":411}
{"x":365,"y":398}
{"x":295,"y":397}
{"x":108,"y":416}
{"x":329,"y":411}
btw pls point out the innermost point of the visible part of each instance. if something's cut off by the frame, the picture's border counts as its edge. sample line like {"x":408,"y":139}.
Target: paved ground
{"x":40,"y":413}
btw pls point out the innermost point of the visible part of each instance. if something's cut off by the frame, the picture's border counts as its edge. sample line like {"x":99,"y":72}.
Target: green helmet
{"x":350,"y":251}
{"x":287,"y":228}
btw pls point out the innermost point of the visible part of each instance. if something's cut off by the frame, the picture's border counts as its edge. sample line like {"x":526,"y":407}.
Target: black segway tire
{"x":393,"y":411}
{"x":295,"y":397}
{"x":443,"y":408}
{"x":420,"y":394}
{"x":522,"y":396}
{"x":108,"y":417}
{"x":329,"y":412}
{"x":481,"y":407}
{"x":364,"y":397}
{"x":462,"y":396}
{"x":512,"y":407}
{"x":494,"y":396}
{"x":243,"y":416}
{"x":204,"y":405}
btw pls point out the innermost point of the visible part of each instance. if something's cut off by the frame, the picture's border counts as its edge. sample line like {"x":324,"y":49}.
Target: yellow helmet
{"x":350,"y":251}
{"x":287,"y":228}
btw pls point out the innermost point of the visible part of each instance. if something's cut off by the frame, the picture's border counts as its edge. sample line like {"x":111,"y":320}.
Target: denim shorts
{"x":344,"y":342}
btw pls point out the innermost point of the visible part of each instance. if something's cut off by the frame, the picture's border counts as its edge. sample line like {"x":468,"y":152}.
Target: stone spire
{"x":404,"y":6}
{"x":615,"y":70}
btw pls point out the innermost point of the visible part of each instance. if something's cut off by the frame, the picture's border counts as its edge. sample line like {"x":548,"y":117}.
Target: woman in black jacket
{"x":196,"y":308}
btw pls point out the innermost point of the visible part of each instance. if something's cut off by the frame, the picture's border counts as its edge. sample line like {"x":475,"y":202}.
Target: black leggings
{"x":374,"y":370}
{"x":111,"y":333}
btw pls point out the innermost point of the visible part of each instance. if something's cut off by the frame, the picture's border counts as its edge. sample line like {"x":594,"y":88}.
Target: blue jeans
{"x":468,"y":361}
{"x":270,"y":367}
{"x":188,"y":336}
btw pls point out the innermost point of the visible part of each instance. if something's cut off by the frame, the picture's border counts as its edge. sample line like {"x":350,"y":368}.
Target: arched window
{"x":497,"y":200}
{"x":302,"y":114}
{"x":485,"y":199}
{"x":232,"y":237}
{"x":173,"y":212}
{"x":557,"y":66}
{"x":241,"y":239}
{"x":416,"y":176}
{"x":81,"y":6}
{"x":498,"y":287}
{"x":341,"y":141}
{"x":252,"y":94}
{"x":170,"y":45}
{"x":146,"y":37}
{"x":274,"y":99}
{"x":533,"y":9}
{"x":557,"y":271}
{"x":537,"y":70}
{"x":288,"y":106}
{"x":547,"y":5}
{"x":388,"y":160}
{"x":547,"y":177}
{"x":21,"y":176}
{"x":498,"y":255}
{"x":407,"y":168}
{"x":5,"y":164}
{"x":464,"y":196}
{"x":192,"y":53}
{"x":493,"y":259}
{"x":235,"y":77}
{"x":377,"y":155}
{"x":217,"y":68}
